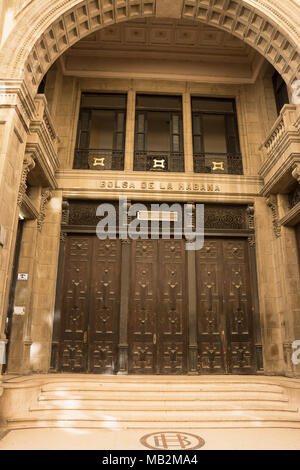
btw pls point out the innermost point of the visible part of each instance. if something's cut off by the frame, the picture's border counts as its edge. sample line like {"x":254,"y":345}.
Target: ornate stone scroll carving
{"x":296,"y":173}
{"x":250,"y":222}
{"x":65,"y":213}
{"x":28,"y":165}
{"x":46,"y":196}
{"x":271,"y":201}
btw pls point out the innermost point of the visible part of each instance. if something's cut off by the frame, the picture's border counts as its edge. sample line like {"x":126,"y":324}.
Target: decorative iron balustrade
{"x":159,"y":161}
{"x":294,"y":197}
{"x":225,"y":163}
{"x":98,"y":159}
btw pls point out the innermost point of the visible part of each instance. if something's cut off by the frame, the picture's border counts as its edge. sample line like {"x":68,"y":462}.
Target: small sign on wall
{"x":2,"y":235}
{"x":22,"y":277}
{"x":19,"y":310}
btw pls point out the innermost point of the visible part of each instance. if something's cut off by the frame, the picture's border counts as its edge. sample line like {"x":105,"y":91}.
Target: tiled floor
{"x":86,"y":439}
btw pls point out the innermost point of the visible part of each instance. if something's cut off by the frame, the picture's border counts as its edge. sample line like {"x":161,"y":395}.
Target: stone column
{"x":58,"y":295}
{"x":187,"y":132}
{"x":16,"y":111}
{"x":40,"y":324}
{"x":253,"y":271}
{"x":269,"y":290}
{"x":287,"y":285}
{"x":130,"y":125}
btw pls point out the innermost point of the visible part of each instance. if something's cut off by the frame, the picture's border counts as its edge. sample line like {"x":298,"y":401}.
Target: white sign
{"x":19,"y":310}
{"x":22,"y":277}
{"x":2,"y":352}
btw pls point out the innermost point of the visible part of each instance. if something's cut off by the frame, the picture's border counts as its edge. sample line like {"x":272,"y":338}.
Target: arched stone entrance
{"x":56,"y":26}
{"x":29,"y":52}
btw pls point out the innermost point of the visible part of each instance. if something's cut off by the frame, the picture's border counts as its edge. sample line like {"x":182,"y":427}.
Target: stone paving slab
{"x":89,"y":439}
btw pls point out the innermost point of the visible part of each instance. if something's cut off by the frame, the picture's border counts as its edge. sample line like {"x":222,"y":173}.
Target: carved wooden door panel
{"x":90,"y":305}
{"x":103,"y":329}
{"x":171,"y":322}
{"x":210,"y":311}
{"x":144,"y":304}
{"x":75,"y":304}
{"x":225,"y":324}
{"x":157,"y":323}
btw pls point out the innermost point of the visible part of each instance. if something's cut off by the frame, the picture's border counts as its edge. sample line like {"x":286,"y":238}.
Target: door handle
{"x":223,"y":341}
{"x":154,"y":338}
{"x":85,"y":337}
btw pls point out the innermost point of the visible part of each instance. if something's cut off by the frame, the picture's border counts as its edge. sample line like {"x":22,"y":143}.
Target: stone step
{"x":99,"y":405}
{"x":162,"y":387}
{"x":176,"y":424}
{"x":159,"y":395}
{"x":166,"y":415}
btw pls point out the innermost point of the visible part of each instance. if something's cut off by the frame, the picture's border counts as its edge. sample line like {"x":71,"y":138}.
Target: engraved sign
{"x":172,"y":440}
{"x":171,"y":186}
{"x":157,"y":215}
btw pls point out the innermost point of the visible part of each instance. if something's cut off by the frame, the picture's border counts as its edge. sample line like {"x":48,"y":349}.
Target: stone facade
{"x":38,"y":134}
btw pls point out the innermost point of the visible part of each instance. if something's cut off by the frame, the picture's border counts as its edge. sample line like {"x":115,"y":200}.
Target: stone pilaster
{"x":16,"y":110}
{"x":130,"y":124}
{"x":188,"y":132}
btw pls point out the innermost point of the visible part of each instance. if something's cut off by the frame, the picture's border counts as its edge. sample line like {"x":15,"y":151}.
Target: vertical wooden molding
{"x":192,"y":311}
{"x":124,"y":307}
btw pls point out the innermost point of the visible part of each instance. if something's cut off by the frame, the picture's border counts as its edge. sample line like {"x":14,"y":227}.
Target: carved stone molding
{"x":63,"y":236}
{"x":296,"y":173}
{"x":28,"y":165}
{"x":46,"y":196}
{"x":271,"y":201}
{"x":65,"y":213}
{"x":250,"y":222}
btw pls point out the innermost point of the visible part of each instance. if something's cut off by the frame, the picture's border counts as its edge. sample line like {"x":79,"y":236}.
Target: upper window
{"x":215,"y":136}
{"x":101,"y":132}
{"x":280,"y":91}
{"x":158,"y":133}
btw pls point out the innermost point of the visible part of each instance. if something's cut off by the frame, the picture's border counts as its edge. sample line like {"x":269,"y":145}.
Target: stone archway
{"x":55,"y":26}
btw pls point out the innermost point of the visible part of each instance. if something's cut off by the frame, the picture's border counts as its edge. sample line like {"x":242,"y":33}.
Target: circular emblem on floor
{"x":172,"y":440}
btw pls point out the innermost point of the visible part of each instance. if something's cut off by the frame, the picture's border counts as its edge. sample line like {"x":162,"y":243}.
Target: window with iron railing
{"x":216,"y":144}
{"x":158,"y":134}
{"x":100,"y":143}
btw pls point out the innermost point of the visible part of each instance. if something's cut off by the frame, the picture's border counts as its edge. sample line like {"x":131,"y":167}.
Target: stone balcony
{"x":282,"y":152}
{"x":42,"y":146}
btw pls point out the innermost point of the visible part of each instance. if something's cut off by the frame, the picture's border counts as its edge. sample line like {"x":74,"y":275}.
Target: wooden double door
{"x":158,"y":333}
{"x":90,"y":305}
{"x":166,"y":317}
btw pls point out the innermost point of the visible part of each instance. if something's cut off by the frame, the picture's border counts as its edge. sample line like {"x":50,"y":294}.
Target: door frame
{"x":88,"y":227}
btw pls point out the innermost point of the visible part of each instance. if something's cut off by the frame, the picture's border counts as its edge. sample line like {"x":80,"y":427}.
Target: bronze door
{"x":90,"y":305}
{"x":157,"y":322}
{"x":225,"y":324}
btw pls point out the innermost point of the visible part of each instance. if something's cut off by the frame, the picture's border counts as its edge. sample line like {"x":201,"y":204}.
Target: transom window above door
{"x":100,"y":141}
{"x":215,"y":136}
{"x":158,"y":133}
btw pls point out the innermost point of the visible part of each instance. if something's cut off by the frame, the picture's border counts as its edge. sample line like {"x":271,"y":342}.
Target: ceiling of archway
{"x":163,"y":47}
{"x":49,"y":28}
